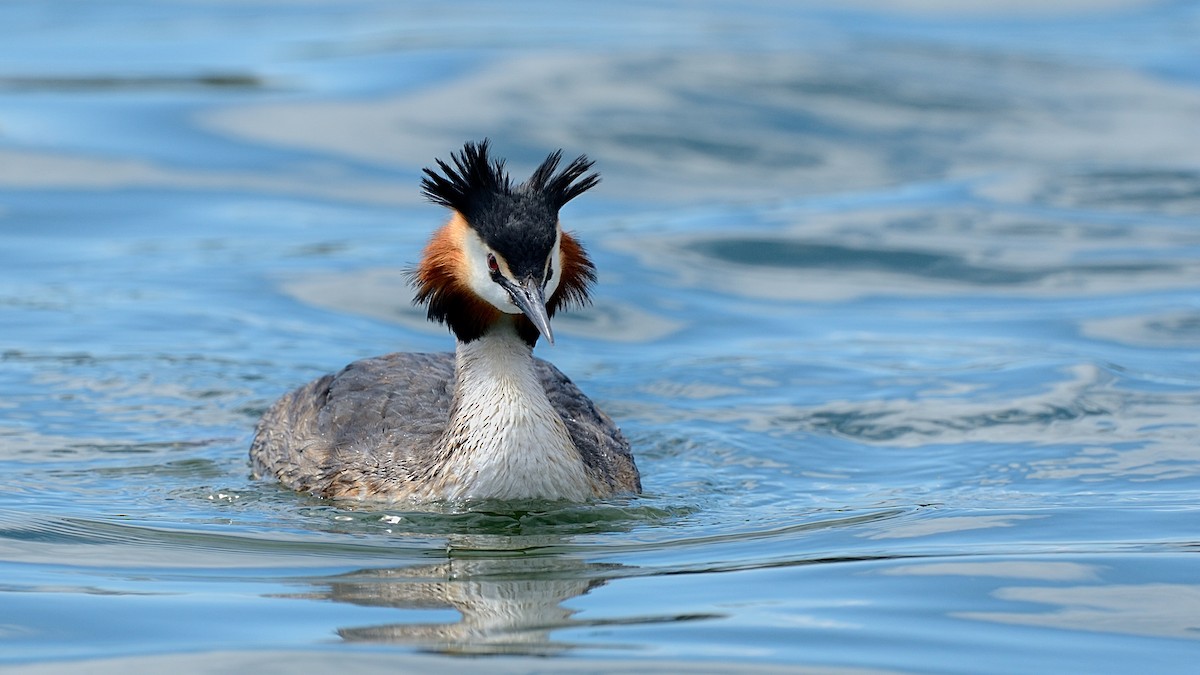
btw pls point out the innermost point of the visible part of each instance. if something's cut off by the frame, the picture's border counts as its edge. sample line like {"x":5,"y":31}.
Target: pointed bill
{"x":531,"y":298}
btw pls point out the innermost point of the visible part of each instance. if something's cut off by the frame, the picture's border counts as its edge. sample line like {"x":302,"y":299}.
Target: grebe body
{"x":489,"y":421}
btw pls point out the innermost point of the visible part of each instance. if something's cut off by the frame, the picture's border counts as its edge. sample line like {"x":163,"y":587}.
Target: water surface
{"x":899,"y":304}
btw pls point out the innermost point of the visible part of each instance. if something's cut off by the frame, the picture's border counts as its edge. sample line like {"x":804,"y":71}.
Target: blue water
{"x":899,"y":304}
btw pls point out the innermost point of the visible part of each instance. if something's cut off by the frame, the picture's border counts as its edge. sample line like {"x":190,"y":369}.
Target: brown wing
{"x":374,"y":422}
{"x":605,"y":451}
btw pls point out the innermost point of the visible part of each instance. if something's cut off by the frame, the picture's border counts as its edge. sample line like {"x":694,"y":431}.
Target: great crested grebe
{"x":489,"y":421}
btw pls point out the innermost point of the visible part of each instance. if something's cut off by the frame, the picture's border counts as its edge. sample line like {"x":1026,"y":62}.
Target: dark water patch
{"x":890,"y":92}
{"x":815,"y":521}
{"x":144,"y":448}
{"x":787,"y":253}
{"x":92,"y":541}
{"x":881,"y":426}
{"x":943,"y":420}
{"x":1165,"y":330}
{"x":803,"y":255}
{"x":507,"y":519}
{"x":1159,"y":189}
{"x":33,"y":448}
{"x":681,"y":148}
{"x":134,"y":83}
{"x":183,"y":470}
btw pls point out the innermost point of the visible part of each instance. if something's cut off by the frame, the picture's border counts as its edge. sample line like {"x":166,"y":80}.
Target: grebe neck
{"x":503,"y":439}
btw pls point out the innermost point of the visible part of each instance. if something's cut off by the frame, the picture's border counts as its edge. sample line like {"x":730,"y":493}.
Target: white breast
{"x":506,"y":440}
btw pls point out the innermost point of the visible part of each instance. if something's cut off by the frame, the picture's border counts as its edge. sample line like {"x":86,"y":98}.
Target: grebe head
{"x":504,"y":251}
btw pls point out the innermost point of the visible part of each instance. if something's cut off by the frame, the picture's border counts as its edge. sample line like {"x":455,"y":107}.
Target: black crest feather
{"x":562,"y":188}
{"x":472,"y":179}
{"x":473,"y":175}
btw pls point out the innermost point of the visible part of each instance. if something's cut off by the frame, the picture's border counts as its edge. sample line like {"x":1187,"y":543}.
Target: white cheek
{"x":480,"y":280}
{"x":556,"y":268}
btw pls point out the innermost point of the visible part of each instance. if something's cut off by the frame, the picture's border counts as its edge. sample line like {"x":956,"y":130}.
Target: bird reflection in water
{"x":510,"y":600}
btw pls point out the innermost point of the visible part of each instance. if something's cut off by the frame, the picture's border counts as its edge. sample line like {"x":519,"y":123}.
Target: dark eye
{"x":493,"y":266}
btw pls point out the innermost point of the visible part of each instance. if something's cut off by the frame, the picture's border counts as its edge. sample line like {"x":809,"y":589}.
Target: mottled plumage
{"x":489,"y":421}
